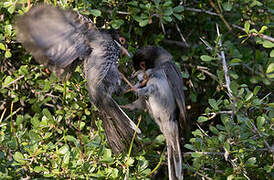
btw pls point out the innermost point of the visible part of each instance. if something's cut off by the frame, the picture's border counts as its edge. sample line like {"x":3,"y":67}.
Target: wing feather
{"x":55,"y":37}
{"x":175,"y":81}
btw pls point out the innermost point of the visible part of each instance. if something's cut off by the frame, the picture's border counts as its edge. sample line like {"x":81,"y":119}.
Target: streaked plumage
{"x":61,"y":39}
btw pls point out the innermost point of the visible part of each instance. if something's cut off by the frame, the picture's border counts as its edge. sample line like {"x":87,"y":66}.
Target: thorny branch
{"x":227,"y":78}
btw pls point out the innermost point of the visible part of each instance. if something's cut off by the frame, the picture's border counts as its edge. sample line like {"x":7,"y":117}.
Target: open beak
{"x":123,"y":49}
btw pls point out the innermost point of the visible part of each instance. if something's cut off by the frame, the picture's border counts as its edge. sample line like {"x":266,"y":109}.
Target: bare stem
{"x":227,"y":78}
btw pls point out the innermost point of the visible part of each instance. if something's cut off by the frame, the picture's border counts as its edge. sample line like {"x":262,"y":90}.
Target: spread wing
{"x":175,"y":81}
{"x":55,"y":37}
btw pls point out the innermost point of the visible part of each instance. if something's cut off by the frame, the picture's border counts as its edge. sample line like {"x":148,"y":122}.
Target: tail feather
{"x":119,"y":128}
{"x":173,"y":151}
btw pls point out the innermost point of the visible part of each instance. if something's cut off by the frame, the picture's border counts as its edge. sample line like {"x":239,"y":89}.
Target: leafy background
{"x":51,"y":130}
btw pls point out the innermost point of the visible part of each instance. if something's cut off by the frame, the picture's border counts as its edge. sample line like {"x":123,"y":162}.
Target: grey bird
{"x":162,"y":93}
{"x":61,"y":39}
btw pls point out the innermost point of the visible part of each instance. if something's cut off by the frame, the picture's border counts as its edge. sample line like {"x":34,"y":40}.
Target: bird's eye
{"x":122,"y":40}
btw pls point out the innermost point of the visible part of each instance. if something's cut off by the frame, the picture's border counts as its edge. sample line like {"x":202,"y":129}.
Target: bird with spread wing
{"x":61,"y":39}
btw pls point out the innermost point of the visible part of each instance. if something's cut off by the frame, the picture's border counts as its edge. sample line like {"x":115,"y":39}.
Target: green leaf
{"x":263,"y":29}
{"x":196,"y":155}
{"x":268,"y":44}
{"x":260,"y":122}
{"x":167,"y":18}
{"x":95,"y":12}
{"x":8,"y":29}
{"x":8,"y":54}
{"x":19,"y":157}
{"x":270,"y":70}
{"x":178,"y":9}
{"x":168,"y":12}
{"x":47,"y":114}
{"x":235,"y":60}
{"x":107,"y":156}
{"x":272,"y":53}
{"x":213,"y":104}
{"x":256,"y":90}
{"x":255,"y":3}
{"x":178,"y":16}
{"x":248,"y":96}
{"x":214,"y":130}
{"x":251,"y":161}
{"x":8,"y":80}
{"x":160,"y":139}
{"x":247,"y":27}
{"x":206,"y":58}
{"x":66,"y":158}
{"x":116,"y":24}
{"x":202,"y":119}
{"x":227,"y":6}
{"x":64,"y":149}
{"x":227,"y":146}
{"x":2,"y":47}
{"x":189,"y":146}
{"x":143,"y":22}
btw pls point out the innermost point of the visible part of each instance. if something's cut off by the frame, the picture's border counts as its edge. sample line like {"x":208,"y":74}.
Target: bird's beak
{"x":123,"y":49}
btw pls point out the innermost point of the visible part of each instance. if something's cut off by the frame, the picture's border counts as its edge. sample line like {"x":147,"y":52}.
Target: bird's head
{"x":119,"y":40}
{"x":149,"y":57}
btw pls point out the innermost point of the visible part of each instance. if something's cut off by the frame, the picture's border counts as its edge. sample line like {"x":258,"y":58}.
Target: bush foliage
{"x":51,"y":130}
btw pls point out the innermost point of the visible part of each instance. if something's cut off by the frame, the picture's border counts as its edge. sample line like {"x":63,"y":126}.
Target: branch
{"x":201,"y":11}
{"x":220,"y":14}
{"x":20,"y":77}
{"x":227,"y":78}
{"x":182,"y":37}
{"x":177,"y":43}
{"x":265,"y":37}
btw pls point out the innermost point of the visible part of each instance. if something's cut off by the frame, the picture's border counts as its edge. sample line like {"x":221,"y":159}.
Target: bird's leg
{"x":145,"y":80}
{"x":138,"y":104}
{"x":132,"y":88}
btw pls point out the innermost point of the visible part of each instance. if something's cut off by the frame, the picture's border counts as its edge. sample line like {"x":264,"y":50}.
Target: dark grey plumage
{"x":163,"y":96}
{"x":61,"y":39}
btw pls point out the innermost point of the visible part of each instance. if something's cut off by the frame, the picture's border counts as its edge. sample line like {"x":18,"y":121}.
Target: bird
{"x":62,"y":39}
{"x":160,"y":91}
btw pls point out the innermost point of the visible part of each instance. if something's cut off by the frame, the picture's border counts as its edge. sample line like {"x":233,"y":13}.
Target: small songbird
{"x":162,"y":93}
{"x":61,"y":39}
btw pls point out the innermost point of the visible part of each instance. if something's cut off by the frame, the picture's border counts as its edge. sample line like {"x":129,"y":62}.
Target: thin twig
{"x":209,"y":47}
{"x":14,"y":112}
{"x":265,"y":37}
{"x":130,"y":147}
{"x":212,"y":115}
{"x":220,"y":14}
{"x":80,"y":139}
{"x":204,"y":153}
{"x":182,"y":37}
{"x":258,"y":132}
{"x":202,"y":129}
{"x":227,"y":78}
{"x":200,"y":11}
{"x":20,"y":77}
{"x":160,"y":161}
{"x":177,"y":43}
